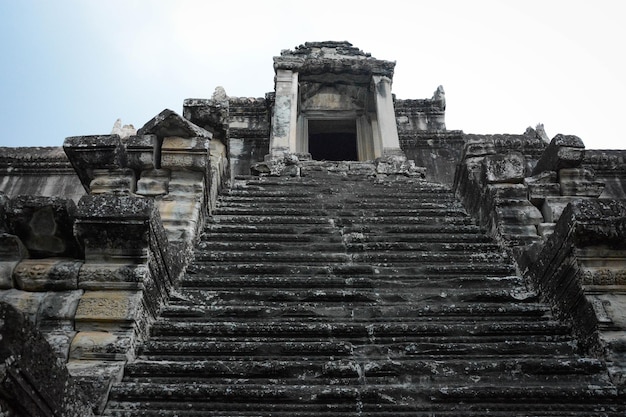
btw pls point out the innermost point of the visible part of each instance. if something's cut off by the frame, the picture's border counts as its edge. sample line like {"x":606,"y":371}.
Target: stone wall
{"x":38,"y":171}
{"x":242,"y":124}
{"x":438,"y":151}
{"x":545,"y":209}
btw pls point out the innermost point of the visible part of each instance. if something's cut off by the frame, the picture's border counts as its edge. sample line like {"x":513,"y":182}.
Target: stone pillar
{"x":386,"y":117}
{"x":285,"y":117}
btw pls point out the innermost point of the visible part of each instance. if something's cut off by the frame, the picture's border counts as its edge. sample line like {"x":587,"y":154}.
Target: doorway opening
{"x":333,"y":140}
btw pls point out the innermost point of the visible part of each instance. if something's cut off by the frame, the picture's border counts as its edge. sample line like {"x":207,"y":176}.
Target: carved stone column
{"x":285,"y":117}
{"x":386,"y":117}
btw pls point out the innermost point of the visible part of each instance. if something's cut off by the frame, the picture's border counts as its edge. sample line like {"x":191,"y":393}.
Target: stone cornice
{"x":332,"y":57}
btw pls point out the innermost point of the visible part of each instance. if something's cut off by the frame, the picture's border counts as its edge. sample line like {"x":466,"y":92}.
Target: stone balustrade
{"x":563,"y":236}
{"x":93,"y":276}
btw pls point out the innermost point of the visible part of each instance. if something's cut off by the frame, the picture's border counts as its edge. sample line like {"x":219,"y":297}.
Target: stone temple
{"x":326,"y":250}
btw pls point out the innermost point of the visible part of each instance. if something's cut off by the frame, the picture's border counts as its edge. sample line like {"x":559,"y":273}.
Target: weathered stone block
{"x":11,"y":248}
{"x":114,"y":228}
{"x":168,"y":123}
{"x":108,"y":310}
{"x":538,"y":192}
{"x":544,"y":177}
{"x":59,"y":341}
{"x":553,"y":207}
{"x":478,"y":146}
{"x":11,"y":252}
{"x":95,"y":379}
{"x":187,"y":185}
{"x":97,"y":345}
{"x":25,"y":302}
{"x":58,"y":308}
{"x":600,"y":222}
{"x":6,"y":274}
{"x":504,"y":168}
{"x":506,"y":191}
{"x":107,"y":276}
{"x":545,"y":229}
{"x":579,"y":182}
{"x":32,"y":375}
{"x":89,"y":153}
{"x":3,"y":220}
{"x":180,"y":218}
{"x":153,"y":182}
{"x":44,"y":225}
{"x":113,"y":181}
{"x":50,"y":274}
{"x":518,"y":212}
{"x":564,"y":151}
{"x":141,"y":151}
{"x":185,"y":153}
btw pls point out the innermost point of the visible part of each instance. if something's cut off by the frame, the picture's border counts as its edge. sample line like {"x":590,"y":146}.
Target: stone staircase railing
{"x":563,"y":236}
{"x":93,"y":276}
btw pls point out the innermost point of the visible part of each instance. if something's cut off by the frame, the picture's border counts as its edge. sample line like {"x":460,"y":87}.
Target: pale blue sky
{"x":72,"y":67}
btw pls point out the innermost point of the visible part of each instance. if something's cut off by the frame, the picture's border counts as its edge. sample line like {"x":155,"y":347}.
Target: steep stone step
{"x":366,"y":214}
{"x":379,"y":297}
{"x":256,"y":269}
{"x":445,"y":231}
{"x":428,"y":347}
{"x":506,"y":370}
{"x":335,"y":295}
{"x":198,"y":307}
{"x":399,"y":331}
{"x":226,"y":235}
{"x":269,"y":397}
{"x":359,"y":279}
{"x":343,"y":221}
{"x":402,"y":258}
{"x":364,"y":203}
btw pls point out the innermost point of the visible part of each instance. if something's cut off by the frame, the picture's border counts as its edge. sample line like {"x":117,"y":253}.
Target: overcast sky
{"x":72,"y":67}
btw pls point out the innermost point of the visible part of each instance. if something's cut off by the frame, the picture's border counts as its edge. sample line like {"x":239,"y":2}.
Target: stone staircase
{"x":339,"y":295}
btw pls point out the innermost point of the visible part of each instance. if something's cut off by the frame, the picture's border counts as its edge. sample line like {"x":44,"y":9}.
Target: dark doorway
{"x":333,"y":140}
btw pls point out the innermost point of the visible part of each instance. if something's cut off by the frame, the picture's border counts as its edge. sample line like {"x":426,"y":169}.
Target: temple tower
{"x":333,"y":101}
